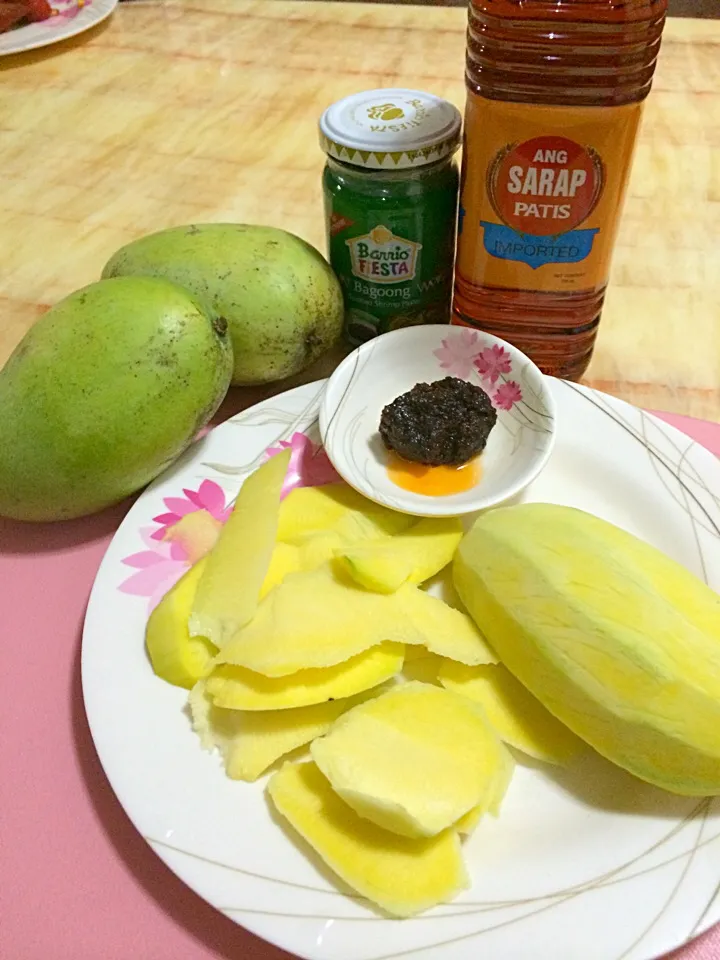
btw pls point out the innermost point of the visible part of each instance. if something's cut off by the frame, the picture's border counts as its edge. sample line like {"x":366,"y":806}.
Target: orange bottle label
{"x":541,"y":193}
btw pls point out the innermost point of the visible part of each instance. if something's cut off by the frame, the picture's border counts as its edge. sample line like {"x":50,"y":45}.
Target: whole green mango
{"x":619,"y":642}
{"x":103,"y":393}
{"x":282,"y":301}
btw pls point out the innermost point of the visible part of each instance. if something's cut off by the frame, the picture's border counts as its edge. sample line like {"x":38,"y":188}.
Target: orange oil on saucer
{"x":433,"y":481}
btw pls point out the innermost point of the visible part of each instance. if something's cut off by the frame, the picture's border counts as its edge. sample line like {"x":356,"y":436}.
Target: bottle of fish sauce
{"x":555,"y":90}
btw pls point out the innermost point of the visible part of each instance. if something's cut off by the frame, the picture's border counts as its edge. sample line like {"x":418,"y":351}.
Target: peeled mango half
{"x":619,"y":642}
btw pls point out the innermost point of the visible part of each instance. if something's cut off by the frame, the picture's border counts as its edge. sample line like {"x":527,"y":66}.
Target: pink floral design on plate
{"x":191,"y":524}
{"x":309,"y":464}
{"x":209,"y":496}
{"x":458,"y":354}
{"x":158,"y":568}
{"x":507,"y":395}
{"x":491,"y":362}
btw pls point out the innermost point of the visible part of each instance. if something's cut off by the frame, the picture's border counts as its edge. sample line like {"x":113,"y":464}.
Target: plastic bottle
{"x":555,"y":93}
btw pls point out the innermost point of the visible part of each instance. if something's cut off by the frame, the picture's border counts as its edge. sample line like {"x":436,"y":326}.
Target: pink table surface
{"x":78,"y":883}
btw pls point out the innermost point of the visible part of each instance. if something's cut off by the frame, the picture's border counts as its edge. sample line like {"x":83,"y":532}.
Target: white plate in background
{"x":73,"y":17}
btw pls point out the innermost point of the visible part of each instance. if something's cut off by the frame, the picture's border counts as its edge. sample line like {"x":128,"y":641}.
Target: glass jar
{"x":390,"y":188}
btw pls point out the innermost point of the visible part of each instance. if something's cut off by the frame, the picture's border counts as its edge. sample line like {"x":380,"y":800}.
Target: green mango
{"x":618,"y":641}
{"x":103,"y":393}
{"x":282,"y":301}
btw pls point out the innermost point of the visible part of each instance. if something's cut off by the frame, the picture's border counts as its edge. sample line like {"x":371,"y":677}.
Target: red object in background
{"x":32,"y":11}
{"x":10,"y":14}
{"x":37,"y":10}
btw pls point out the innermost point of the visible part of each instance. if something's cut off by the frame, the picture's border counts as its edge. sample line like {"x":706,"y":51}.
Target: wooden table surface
{"x":204,"y":110}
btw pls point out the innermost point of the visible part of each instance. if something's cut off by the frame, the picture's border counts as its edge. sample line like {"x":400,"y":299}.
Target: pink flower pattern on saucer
{"x":458,"y":355}
{"x":507,"y":395}
{"x":491,"y":362}
{"x":462,"y":355}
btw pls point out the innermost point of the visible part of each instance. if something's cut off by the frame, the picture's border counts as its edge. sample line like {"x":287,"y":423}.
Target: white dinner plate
{"x":72,"y":17}
{"x":586,"y":864}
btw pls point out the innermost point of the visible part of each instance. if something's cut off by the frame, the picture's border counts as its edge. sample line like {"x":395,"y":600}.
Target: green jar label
{"x":394,"y":259}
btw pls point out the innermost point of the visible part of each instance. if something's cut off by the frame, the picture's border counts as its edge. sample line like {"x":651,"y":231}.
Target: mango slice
{"x":251,"y":742}
{"x":335,"y":506}
{"x":410,"y":557}
{"x":402,"y":876}
{"x":228,"y":591}
{"x":619,"y":642}
{"x":493,"y":801}
{"x":503,"y":778}
{"x":413,"y":760}
{"x":467,"y":824}
{"x":317,"y":548}
{"x":442,"y":629}
{"x":241,"y":689}
{"x":425,"y":667}
{"x":322,"y":618}
{"x":284,"y":559}
{"x":175,"y":655}
{"x":518,"y":717}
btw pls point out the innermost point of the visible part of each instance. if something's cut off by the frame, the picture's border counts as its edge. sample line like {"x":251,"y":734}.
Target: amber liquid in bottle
{"x":555,"y":92}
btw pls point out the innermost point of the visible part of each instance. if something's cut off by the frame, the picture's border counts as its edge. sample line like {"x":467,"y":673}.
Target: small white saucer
{"x":382,"y":369}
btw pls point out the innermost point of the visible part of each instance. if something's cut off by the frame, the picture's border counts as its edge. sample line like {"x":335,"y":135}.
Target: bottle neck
{"x":569,"y":52}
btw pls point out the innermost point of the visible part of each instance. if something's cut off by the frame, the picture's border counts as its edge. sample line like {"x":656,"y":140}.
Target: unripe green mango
{"x":282,"y":301}
{"x":103,"y":393}
{"x":619,"y":642}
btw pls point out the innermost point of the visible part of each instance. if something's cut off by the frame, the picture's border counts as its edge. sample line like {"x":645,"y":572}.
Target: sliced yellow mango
{"x":317,"y":548}
{"x":228,"y":591}
{"x":251,"y":742}
{"x":284,"y":559}
{"x":416,"y":652}
{"x":370,"y":524}
{"x":241,"y":689}
{"x":309,"y":509}
{"x":335,"y":506}
{"x":467,"y":824}
{"x":410,"y":557}
{"x":493,"y":801}
{"x":519,"y":718}
{"x":320,"y":546}
{"x":425,"y":668}
{"x":413,"y":760}
{"x":175,"y":655}
{"x":321,"y":618}
{"x":442,"y":629}
{"x":502,"y":782}
{"x":402,"y":876}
